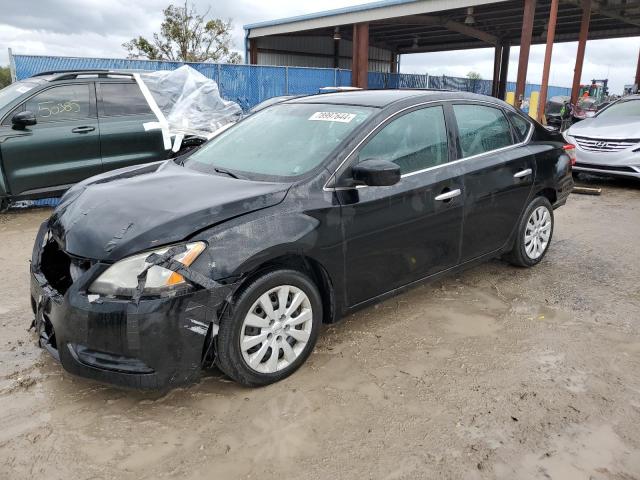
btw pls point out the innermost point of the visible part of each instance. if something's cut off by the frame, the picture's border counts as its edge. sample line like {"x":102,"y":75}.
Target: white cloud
{"x":98,"y":28}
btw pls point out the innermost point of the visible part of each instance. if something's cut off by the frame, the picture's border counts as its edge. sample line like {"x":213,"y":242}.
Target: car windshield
{"x":14,"y":90}
{"x":586,"y":103}
{"x":285,"y":140}
{"x":623,"y":108}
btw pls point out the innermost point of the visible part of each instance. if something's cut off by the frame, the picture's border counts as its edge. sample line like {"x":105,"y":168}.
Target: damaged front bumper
{"x":152,"y":343}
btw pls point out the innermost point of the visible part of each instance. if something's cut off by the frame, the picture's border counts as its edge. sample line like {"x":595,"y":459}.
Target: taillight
{"x":570,"y":150}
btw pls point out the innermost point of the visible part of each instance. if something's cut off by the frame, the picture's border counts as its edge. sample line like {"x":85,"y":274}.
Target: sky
{"x":98,"y":28}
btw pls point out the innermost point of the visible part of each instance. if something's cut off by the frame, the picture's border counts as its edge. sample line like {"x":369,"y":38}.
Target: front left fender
{"x":239,"y":247}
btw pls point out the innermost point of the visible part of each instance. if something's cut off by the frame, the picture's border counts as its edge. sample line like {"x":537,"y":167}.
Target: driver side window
{"x":414,"y":141}
{"x":66,"y":102}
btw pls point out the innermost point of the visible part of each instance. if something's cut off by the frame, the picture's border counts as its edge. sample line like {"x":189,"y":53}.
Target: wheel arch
{"x":549,"y":193}
{"x":303,"y":264}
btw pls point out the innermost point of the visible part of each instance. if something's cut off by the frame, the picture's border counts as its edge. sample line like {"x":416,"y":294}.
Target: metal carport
{"x":374,"y":36}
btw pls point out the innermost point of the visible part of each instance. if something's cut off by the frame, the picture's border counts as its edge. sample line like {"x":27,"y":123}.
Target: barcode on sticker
{"x":333,"y":117}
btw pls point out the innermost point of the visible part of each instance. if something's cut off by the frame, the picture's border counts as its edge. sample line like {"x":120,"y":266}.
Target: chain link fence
{"x":249,"y":85}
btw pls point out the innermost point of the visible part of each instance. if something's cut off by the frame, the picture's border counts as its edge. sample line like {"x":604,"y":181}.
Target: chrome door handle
{"x":448,"y":195}
{"x":83,"y":129}
{"x":523,"y":173}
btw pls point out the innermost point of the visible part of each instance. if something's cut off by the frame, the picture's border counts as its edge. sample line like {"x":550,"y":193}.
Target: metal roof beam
{"x":604,"y":10}
{"x":452,"y":25}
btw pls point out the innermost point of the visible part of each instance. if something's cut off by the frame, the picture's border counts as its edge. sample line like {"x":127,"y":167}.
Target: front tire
{"x":534,"y":234}
{"x":270,"y":328}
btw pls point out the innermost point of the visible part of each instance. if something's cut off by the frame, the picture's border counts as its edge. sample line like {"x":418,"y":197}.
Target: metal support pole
{"x":582,"y":44}
{"x":637,"y":73}
{"x":497,"y":62}
{"x":504,"y":71}
{"x":525,"y":46}
{"x":360,"y":61}
{"x":253,"y":51}
{"x":551,"y":33}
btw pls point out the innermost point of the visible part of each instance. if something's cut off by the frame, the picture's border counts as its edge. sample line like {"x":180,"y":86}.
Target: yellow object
{"x":187,"y":260}
{"x":533,"y":104}
{"x":511,"y":98}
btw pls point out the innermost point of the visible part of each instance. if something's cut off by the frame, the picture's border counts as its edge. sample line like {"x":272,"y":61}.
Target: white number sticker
{"x":333,"y":117}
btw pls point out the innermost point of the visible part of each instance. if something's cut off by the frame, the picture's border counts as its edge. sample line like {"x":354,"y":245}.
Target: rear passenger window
{"x":66,"y":102}
{"x":122,"y":99}
{"x":415,"y":141}
{"x":481,"y":129}
{"x":520,"y":126}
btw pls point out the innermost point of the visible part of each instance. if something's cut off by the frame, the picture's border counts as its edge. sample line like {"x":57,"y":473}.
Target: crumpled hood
{"x":614,"y":128}
{"x":117,"y":214}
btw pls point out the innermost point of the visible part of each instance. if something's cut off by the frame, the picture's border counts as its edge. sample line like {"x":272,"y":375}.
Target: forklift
{"x":591,"y":99}
{"x":598,"y":90}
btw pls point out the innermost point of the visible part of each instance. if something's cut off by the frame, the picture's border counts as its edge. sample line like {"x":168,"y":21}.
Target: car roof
{"x":383,"y":98}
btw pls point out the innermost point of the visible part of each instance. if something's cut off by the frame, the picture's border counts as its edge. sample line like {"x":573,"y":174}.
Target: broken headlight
{"x":121,"y":278}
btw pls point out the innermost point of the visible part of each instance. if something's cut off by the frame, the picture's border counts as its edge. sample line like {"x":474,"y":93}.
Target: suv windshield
{"x":14,"y":90}
{"x":623,"y":108}
{"x":285,"y":140}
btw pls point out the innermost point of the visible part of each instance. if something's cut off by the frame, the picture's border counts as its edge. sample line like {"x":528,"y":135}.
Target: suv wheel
{"x":534,"y":234}
{"x":270,"y":329}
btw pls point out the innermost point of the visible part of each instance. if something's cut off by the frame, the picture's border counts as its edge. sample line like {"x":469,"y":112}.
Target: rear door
{"x":122,"y":112}
{"x":401,"y":233}
{"x":62,"y":148}
{"x":499,"y":173}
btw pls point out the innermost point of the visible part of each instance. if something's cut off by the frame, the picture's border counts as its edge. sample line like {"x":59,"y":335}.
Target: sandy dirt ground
{"x":495,"y":373}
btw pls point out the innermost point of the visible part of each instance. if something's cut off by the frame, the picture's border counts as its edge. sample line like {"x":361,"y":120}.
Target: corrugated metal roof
{"x":359,"y":13}
{"x":328,"y":13}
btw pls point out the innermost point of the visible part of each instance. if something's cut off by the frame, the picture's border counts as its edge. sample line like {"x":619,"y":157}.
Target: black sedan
{"x":235,"y":254}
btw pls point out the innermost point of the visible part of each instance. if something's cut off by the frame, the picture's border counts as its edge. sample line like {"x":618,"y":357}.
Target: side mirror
{"x":376,"y":173}
{"x":23,"y":119}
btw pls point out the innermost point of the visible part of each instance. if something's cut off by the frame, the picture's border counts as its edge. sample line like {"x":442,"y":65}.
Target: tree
{"x":474,"y":76}
{"x":187,"y":36}
{"x":5,"y":76}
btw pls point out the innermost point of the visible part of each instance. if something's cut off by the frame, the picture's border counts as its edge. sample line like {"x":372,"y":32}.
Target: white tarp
{"x":186,"y":103}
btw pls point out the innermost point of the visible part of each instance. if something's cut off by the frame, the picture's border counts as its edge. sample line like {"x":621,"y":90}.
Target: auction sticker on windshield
{"x":333,"y":117}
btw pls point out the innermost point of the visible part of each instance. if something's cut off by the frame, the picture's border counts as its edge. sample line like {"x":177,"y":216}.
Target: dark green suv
{"x":58,"y":128}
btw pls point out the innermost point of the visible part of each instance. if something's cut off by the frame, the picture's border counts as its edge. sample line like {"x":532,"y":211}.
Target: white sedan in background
{"x":609,"y":142}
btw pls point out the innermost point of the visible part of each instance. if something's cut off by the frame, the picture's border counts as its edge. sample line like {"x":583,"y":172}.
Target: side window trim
{"x":509,"y":114}
{"x":330,"y":184}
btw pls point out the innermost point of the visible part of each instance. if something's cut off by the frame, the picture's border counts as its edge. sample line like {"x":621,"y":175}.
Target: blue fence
{"x":249,"y":85}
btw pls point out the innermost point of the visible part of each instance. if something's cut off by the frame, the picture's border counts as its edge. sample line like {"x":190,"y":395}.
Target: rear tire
{"x":281,"y":312}
{"x":534,"y":234}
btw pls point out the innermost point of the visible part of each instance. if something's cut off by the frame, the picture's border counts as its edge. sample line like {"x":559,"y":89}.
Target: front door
{"x":62,"y":148}
{"x":499,"y":173}
{"x":398,"y":234}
